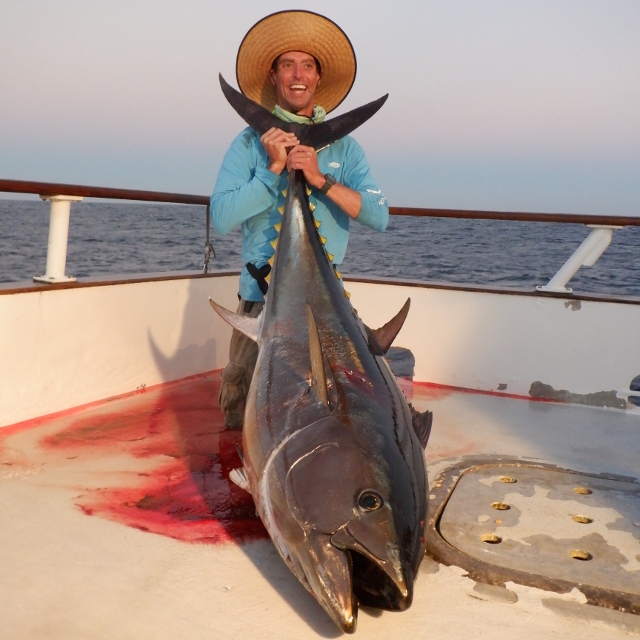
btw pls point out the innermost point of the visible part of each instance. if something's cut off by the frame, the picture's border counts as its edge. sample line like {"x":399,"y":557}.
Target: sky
{"x":507,"y":105}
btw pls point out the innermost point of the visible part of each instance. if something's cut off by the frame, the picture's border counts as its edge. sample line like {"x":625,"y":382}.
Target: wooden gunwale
{"x":51,"y":188}
{"x":10,"y":288}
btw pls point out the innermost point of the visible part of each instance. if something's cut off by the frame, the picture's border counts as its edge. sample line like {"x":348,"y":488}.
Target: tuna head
{"x":343,"y":529}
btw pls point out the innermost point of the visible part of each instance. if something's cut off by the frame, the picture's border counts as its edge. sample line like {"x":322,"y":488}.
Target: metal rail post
{"x":586,"y":255}
{"x":58,"y":235}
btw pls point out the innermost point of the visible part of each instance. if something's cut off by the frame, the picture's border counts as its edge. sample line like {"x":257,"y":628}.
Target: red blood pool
{"x":186,"y":494}
{"x":184,"y":490}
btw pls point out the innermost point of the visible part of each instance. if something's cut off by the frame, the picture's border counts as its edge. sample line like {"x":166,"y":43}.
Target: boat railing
{"x":61,"y":196}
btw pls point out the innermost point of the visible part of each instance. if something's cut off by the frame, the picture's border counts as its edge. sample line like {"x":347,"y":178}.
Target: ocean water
{"x":116,"y":238}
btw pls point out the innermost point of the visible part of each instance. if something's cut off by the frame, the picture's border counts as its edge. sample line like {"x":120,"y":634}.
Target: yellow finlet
{"x":308,"y":191}
{"x":267,"y":278}
{"x":322,"y":239}
{"x":284,"y":193}
{"x":330,"y":256}
{"x":312,"y":207}
{"x":274,"y":243}
{"x":346,"y":294}
{"x":317,"y":223}
{"x":278,"y":226}
{"x":281,"y":209}
{"x":271,"y":259}
{"x":338,"y":274}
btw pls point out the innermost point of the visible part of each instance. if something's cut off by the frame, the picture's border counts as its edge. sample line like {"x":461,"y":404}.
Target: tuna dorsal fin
{"x":422,"y":421}
{"x":249,"y":326}
{"x":381,"y":339}
{"x":318,"y":377}
{"x":312,"y":135}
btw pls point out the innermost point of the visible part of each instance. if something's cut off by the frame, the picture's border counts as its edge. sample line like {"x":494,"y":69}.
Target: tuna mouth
{"x":373,"y":587}
{"x":343,"y":575}
{"x":378,"y":580}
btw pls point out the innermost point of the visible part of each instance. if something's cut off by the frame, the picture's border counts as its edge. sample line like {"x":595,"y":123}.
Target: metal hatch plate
{"x":543,"y":526}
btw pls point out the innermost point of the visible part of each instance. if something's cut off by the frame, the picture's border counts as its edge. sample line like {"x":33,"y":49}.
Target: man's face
{"x":296,"y":79}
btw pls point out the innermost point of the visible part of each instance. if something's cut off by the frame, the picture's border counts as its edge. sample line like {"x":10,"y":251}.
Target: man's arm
{"x":359,"y":197}
{"x":306,"y":159}
{"x":374,"y":210}
{"x":245,"y":186}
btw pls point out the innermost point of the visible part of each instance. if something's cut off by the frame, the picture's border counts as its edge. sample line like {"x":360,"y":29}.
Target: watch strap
{"x":329,"y":182}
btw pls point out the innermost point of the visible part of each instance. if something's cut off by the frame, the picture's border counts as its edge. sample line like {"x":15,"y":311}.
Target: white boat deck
{"x":118,"y":521}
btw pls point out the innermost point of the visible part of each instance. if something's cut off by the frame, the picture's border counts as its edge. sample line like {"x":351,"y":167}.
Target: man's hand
{"x":306,"y":159}
{"x":275,"y":143}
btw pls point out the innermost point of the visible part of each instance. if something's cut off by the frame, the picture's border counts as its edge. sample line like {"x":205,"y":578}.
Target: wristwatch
{"x":330,"y":181}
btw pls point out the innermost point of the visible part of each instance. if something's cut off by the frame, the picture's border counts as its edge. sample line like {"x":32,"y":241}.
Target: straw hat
{"x":296,"y":31}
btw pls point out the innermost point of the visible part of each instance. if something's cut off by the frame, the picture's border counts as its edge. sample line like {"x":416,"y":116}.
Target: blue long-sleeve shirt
{"x":248,"y":195}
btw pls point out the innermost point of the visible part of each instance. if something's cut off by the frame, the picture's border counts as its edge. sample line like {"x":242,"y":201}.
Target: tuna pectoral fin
{"x":249,"y":326}
{"x":239,"y":478}
{"x":381,"y":339}
{"x":422,"y":421}
{"x":328,"y":573}
{"x":318,"y":374}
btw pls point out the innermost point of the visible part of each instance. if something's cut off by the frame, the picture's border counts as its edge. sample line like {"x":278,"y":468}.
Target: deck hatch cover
{"x":540,"y":525}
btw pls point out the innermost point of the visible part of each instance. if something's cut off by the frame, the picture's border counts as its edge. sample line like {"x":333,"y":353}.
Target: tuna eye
{"x":369,"y":501}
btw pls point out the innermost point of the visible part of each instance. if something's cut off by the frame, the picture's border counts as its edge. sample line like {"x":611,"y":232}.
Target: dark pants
{"x":236,"y":376}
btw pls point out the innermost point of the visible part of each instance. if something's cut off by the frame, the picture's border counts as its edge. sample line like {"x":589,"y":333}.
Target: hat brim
{"x":296,"y":31}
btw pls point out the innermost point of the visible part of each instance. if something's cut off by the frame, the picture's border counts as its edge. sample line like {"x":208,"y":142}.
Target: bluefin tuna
{"x":332,"y":453}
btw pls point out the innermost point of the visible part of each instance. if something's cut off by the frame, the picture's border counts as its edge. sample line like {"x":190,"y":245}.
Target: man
{"x":301,"y":65}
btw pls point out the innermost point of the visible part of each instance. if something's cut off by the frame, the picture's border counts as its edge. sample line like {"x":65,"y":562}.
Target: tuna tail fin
{"x":322,"y":135}
{"x":312,"y":135}
{"x":381,"y":339}
{"x":422,"y":422}
{"x":249,"y":326}
{"x":255,"y":115}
